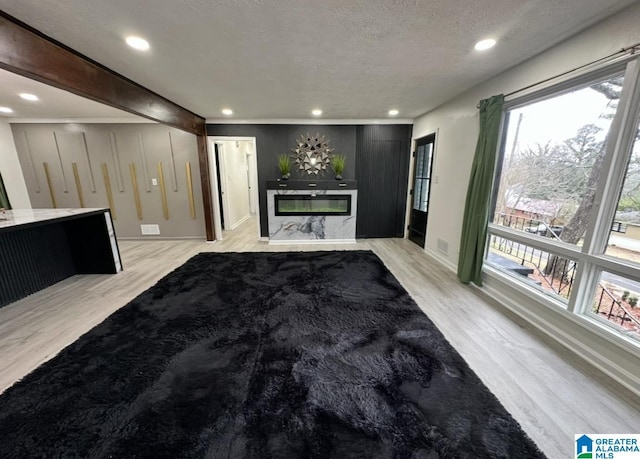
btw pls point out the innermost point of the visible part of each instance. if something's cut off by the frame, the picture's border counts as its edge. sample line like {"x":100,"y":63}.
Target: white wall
{"x":11,"y":170}
{"x":236,"y":183}
{"x":457,"y":124}
{"x":248,"y":149}
{"x":457,"y":120}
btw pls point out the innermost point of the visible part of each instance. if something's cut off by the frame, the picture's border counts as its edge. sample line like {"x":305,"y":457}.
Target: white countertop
{"x":17,"y":217}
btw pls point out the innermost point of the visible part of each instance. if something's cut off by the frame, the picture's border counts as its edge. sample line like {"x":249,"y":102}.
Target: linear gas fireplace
{"x":306,"y":204}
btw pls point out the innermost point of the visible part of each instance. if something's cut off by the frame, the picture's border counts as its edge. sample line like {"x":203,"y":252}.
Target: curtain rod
{"x":630,"y":49}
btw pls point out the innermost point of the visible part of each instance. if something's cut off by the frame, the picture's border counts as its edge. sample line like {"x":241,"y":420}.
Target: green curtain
{"x":4,"y":199}
{"x":476,"y":212}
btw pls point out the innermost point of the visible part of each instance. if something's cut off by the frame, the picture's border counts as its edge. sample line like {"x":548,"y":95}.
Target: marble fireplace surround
{"x":287,"y":229}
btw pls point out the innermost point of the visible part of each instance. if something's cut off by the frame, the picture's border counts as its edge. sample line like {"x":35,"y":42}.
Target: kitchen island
{"x":40,"y":247}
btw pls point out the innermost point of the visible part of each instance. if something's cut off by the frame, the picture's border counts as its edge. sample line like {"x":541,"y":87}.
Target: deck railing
{"x":560,"y":283}
{"x":617,"y":310}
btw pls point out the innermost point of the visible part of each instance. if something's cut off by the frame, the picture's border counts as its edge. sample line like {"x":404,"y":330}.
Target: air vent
{"x":150,"y":229}
{"x":443,"y":246}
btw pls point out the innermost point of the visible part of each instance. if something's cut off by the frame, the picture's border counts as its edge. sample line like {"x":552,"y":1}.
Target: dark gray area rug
{"x":262,"y":355}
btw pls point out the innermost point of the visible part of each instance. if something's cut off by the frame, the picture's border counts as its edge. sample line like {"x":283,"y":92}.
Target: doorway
{"x":233,"y":169}
{"x":422,"y":169}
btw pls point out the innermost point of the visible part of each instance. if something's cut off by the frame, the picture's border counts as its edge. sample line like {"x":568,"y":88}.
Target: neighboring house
{"x":533,"y":209}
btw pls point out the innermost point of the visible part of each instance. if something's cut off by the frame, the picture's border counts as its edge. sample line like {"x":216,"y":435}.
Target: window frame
{"x":591,"y":257}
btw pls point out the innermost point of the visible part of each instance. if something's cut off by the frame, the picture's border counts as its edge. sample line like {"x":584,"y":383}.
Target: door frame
{"x":414,"y":144}
{"x":222,"y":186}
{"x":253,"y":164}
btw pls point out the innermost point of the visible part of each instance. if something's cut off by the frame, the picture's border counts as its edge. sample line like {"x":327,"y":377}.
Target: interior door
{"x":422,"y":167}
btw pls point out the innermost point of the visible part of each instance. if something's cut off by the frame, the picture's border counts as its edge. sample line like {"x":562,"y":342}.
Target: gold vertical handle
{"x":76,"y":177}
{"x":163,"y":192}
{"x":192,"y":204}
{"x":136,"y":193}
{"x":50,"y":184}
{"x":107,"y":187}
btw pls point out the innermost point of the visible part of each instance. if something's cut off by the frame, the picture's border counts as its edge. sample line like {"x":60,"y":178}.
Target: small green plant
{"x":633,"y":301}
{"x":284,"y":164}
{"x":338,"y":163}
{"x":625,"y":295}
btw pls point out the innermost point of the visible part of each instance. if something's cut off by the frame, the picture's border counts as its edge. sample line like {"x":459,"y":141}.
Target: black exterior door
{"x":422,"y":167}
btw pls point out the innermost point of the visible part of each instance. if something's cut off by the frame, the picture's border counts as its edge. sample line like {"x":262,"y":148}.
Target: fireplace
{"x":312,"y":211}
{"x":305,"y":204}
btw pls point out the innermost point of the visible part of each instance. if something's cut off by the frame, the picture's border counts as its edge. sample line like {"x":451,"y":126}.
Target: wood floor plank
{"x":551,"y":392}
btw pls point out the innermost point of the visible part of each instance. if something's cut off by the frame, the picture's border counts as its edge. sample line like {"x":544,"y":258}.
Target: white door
{"x":250,"y":151}
{"x":233,"y":174}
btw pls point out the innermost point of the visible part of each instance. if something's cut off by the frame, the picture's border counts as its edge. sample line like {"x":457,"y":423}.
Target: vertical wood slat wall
{"x":382,"y":171}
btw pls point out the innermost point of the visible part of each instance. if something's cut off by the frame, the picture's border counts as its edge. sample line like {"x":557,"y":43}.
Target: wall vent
{"x":443,"y":246}
{"x":150,"y":229}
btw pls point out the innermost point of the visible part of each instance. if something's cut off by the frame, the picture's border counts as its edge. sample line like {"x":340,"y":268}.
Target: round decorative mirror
{"x":312,"y":154}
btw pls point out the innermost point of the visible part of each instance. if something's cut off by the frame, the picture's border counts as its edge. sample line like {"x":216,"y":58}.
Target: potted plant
{"x":337,"y":164}
{"x":285,"y":166}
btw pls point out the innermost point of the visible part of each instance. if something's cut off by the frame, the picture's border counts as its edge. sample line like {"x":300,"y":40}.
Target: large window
{"x":566,"y":209}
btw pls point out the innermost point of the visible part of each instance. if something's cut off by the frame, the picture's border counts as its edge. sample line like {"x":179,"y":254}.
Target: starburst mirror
{"x":312,"y":154}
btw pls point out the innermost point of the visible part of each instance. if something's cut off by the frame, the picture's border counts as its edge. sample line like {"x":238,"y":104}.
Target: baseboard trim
{"x":240,"y":222}
{"x":443,"y":261}
{"x":162,"y":238}
{"x":558,"y":334}
{"x":554,"y":331}
{"x":312,"y":241}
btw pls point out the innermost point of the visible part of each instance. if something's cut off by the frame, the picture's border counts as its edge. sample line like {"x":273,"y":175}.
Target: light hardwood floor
{"x":552,"y":393}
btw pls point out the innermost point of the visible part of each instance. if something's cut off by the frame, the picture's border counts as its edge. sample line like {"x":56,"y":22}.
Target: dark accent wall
{"x":382,"y":171}
{"x":377,"y":157}
{"x":274,"y":139}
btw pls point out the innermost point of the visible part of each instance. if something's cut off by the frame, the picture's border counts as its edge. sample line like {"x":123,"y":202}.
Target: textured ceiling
{"x":53,"y":103}
{"x":279,"y":59}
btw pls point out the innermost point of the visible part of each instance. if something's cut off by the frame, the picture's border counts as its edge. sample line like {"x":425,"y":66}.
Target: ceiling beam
{"x":27,"y":52}
{"x":30,"y":53}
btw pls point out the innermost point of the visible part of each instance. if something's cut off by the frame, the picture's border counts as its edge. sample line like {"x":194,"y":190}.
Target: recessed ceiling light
{"x":485,"y":44}
{"x":316,"y":112}
{"x":227,"y":111}
{"x":27,"y":96}
{"x":393,"y":112}
{"x":5,"y":110}
{"x":138,"y":43}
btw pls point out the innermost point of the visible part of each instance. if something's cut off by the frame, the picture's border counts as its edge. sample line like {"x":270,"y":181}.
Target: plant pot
{"x":338,"y":177}
{"x":285,"y":177}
